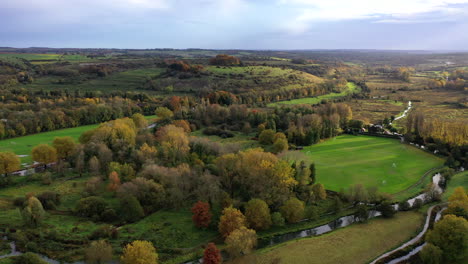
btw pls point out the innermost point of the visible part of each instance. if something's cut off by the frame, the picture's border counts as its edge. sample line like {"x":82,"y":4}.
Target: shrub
{"x":49,"y":199}
{"x":130,"y":209}
{"x":277,"y":219}
{"x":92,"y":206}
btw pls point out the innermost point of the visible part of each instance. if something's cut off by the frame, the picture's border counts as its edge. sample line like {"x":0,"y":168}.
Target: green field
{"x":352,"y":88}
{"x":460,"y":179}
{"x":126,"y":80}
{"x":359,"y":243}
{"x":372,"y":161}
{"x":23,"y":145}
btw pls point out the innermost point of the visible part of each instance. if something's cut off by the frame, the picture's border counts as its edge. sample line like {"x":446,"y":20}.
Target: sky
{"x":236,"y":24}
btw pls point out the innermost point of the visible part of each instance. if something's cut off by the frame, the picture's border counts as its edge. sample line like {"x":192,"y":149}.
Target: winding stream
{"x":404,"y":112}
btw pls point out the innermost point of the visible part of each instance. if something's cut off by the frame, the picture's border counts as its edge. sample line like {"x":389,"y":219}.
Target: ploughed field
{"x":386,"y":163}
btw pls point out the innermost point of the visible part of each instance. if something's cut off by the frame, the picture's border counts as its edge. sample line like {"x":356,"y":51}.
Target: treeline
{"x":445,"y":137}
{"x":25,"y":113}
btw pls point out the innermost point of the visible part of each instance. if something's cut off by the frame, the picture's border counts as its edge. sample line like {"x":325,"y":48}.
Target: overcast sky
{"x":236,"y":24}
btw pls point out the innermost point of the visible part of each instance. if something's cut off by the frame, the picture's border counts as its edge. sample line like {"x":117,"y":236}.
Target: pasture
{"x":352,"y":88}
{"x":371,"y":161}
{"x":23,"y":145}
{"x":358,"y":243}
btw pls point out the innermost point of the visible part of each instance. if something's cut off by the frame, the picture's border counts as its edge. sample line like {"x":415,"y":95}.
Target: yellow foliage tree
{"x":44,"y":153}
{"x":9,"y":162}
{"x":241,"y":241}
{"x":231,"y":220}
{"x":139,"y":252}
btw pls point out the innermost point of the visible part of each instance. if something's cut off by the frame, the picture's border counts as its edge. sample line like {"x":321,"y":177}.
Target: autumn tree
{"x":44,"y":154}
{"x":139,"y":120}
{"x":98,"y":252}
{"x":174,"y":143}
{"x":259,"y":174}
{"x":231,"y":220}
{"x":319,"y":191}
{"x":139,"y":252}
{"x":9,"y":163}
{"x":201,"y":214}
{"x":94,"y":165}
{"x":212,"y":255}
{"x":241,"y":241}
{"x":293,"y":210}
{"x":114,"y":181}
{"x":65,"y":146}
{"x":258,"y":214}
{"x":32,"y":212}
{"x":458,"y":203}
{"x":146,"y":153}
{"x":450,"y":235}
{"x":164,"y":113}
{"x":224,"y":60}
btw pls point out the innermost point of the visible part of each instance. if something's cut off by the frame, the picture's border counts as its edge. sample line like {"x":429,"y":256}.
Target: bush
{"x":277,"y":219}
{"x":28,"y":258}
{"x":49,"y":199}
{"x":130,"y":209}
{"x":417,"y":203}
{"x":105,"y":231}
{"x":19,"y":201}
{"x":404,"y":206}
{"x":386,"y":208}
{"x":92,"y":206}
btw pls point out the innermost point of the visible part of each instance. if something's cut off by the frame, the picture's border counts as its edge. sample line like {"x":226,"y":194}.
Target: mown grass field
{"x":372,"y":161}
{"x":23,"y":145}
{"x":352,"y":88}
{"x":460,"y":179}
{"x":358,"y":243}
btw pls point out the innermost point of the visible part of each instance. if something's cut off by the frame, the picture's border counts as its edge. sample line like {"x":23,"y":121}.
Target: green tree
{"x":258,"y":214}
{"x":280,"y":145}
{"x":293,"y":210}
{"x":450,"y":235}
{"x":362,"y":213}
{"x":431,"y":254}
{"x":266,"y":137}
{"x":130,"y":209}
{"x":139,"y":252}
{"x":277,"y":219}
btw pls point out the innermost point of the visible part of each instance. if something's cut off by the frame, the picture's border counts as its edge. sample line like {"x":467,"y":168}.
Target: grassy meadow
{"x":372,"y":161}
{"x":352,"y":88}
{"x":358,"y":243}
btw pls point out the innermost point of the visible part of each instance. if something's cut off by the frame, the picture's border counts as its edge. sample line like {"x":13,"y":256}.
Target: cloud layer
{"x":267,"y":24}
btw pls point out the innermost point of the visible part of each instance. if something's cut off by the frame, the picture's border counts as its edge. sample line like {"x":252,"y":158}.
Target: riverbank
{"x":358,"y":242}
